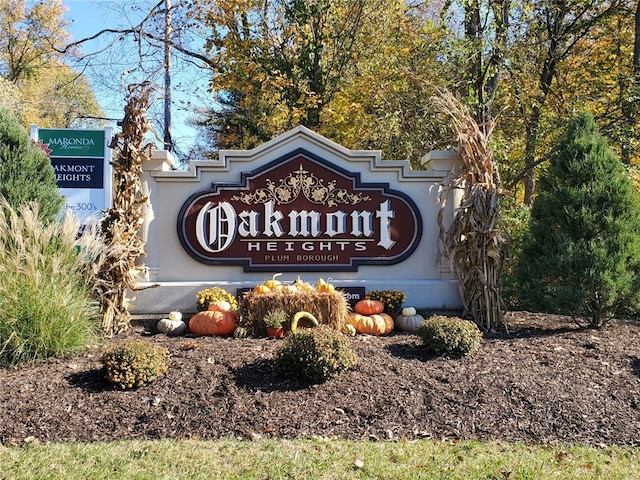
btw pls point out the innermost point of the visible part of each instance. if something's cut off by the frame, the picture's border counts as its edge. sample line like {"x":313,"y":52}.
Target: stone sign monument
{"x":299,"y":205}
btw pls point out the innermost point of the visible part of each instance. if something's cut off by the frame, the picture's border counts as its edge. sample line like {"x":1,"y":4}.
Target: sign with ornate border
{"x":299,"y":213}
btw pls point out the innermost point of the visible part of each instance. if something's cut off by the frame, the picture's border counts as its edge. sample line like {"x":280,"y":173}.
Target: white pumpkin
{"x":408,"y":311}
{"x":175,"y":316}
{"x":171,"y":327}
{"x":408,"y":320}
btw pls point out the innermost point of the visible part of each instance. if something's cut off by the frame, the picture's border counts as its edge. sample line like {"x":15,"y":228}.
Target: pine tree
{"x":25,"y":171}
{"x":581,"y":255}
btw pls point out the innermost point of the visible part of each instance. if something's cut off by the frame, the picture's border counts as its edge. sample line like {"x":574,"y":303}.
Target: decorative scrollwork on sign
{"x":302,"y":181}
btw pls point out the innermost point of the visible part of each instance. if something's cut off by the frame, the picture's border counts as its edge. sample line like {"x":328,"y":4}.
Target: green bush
{"x":318,"y":353}
{"x":135,"y":363}
{"x":46,"y":291}
{"x":26,"y":174}
{"x":581,"y":254}
{"x":451,"y":336}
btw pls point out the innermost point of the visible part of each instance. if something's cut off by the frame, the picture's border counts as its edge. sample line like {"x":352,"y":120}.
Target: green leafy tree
{"x":581,"y":255}
{"x":25,"y":171}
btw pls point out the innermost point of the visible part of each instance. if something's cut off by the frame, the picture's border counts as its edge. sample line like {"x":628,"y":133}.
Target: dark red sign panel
{"x":299,"y":213}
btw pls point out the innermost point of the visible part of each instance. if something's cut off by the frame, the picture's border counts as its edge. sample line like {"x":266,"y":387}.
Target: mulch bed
{"x":545,"y":382}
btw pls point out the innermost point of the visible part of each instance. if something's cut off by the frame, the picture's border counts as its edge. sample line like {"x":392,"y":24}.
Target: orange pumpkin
{"x":220,"y":306}
{"x":213,"y":322}
{"x":375,"y":324}
{"x":369,"y":307}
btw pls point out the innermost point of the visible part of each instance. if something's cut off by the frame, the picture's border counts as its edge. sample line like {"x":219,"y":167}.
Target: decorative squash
{"x":273,"y":284}
{"x":349,"y":329}
{"x":289,"y":289}
{"x":240,"y":332}
{"x":324,"y":287}
{"x":302,"y":286}
{"x":409,"y":320}
{"x":262,"y":289}
{"x":220,"y":306}
{"x":369,"y":307}
{"x":213,"y":322}
{"x":375,"y":324}
{"x":171,"y":328}
{"x":300,"y":315}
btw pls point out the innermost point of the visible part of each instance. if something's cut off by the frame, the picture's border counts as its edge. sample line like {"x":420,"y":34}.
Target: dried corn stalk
{"x":122,"y":221}
{"x":473,"y":242}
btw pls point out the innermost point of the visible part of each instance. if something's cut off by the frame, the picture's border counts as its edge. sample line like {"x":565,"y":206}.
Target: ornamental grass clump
{"x":47,"y":297}
{"x":451,"y":336}
{"x":318,"y":354}
{"x":135,"y":364}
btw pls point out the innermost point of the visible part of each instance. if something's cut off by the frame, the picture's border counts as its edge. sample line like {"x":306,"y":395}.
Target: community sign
{"x":81,"y":162}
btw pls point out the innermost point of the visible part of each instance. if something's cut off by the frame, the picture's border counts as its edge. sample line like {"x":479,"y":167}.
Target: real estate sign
{"x":81,"y":162}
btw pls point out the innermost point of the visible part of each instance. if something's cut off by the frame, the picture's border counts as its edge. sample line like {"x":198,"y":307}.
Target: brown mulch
{"x":546,"y":381}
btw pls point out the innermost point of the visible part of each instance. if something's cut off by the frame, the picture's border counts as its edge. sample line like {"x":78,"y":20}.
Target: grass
{"x":317,"y":459}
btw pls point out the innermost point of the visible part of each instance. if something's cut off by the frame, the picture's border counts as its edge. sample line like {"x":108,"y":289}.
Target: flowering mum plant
{"x":215,"y":294}
{"x":392,"y":299}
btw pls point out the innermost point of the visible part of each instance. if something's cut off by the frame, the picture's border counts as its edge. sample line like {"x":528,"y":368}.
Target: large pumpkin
{"x":213,"y":322}
{"x":375,"y":324}
{"x":368,"y":307}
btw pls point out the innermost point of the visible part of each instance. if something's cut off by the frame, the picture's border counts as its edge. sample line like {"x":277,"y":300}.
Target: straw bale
{"x":330,"y":309}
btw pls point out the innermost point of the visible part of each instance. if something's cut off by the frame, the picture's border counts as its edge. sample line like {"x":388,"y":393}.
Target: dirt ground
{"x":545,"y":382}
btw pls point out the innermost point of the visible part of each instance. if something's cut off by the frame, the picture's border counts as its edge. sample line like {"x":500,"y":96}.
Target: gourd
{"x":300,"y":315}
{"x":374,"y":324}
{"x":302,"y":286}
{"x":240,"y":332}
{"x":349,"y":329}
{"x":273,"y":284}
{"x":290,"y":289}
{"x":262,"y":289}
{"x":369,"y":307}
{"x":213,"y":322}
{"x":324,"y":287}
{"x":172,"y":327}
{"x":409,"y":320}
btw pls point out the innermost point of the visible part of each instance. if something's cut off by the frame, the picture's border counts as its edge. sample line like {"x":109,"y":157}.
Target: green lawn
{"x":316,"y":459}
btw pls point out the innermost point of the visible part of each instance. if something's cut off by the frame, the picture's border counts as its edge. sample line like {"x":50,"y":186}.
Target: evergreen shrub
{"x":26,"y":174}
{"x":581,"y":253}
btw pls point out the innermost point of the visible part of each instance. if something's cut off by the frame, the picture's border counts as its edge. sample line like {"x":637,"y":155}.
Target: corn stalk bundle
{"x":121,"y":223}
{"x":473,"y":242}
{"x":330,"y":309}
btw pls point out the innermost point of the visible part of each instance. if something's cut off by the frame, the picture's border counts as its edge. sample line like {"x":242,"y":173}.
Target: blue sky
{"x":88,"y":17}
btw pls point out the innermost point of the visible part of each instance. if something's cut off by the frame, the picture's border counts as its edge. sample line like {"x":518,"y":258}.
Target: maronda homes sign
{"x":299,"y":213}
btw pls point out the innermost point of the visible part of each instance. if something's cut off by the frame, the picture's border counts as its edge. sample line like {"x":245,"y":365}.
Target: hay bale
{"x":330,"y":309}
